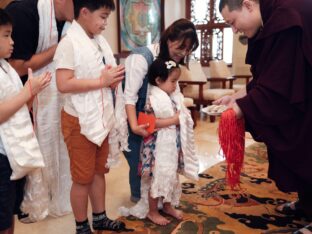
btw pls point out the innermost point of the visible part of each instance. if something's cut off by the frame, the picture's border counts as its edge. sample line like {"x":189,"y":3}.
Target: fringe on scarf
{"x":232,"y":141}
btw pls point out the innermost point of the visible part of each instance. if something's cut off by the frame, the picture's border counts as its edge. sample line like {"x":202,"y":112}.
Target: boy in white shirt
{"x":13,"y":100}
{"x":87,"y":73}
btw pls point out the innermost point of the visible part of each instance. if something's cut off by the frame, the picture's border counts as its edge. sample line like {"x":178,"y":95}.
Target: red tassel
{"x":232,"y":142}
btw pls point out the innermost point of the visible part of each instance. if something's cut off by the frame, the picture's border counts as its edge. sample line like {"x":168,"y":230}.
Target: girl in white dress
{"x":162,"y":152}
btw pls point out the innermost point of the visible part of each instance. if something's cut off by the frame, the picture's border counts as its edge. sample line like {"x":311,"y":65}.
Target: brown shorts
{"x":86,"y":158}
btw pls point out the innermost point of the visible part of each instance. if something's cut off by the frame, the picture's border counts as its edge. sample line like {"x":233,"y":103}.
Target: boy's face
{"x":170,"y":85}
{"x":96,"y":21}
{"x":6,"y":42}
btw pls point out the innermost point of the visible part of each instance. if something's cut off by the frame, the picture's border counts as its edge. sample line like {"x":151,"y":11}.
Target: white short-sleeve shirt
{"x":64,"y":59}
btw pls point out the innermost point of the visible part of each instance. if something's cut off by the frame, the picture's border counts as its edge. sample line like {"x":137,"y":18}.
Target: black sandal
{"x":290,"y":208}
{"x":305,"y":229}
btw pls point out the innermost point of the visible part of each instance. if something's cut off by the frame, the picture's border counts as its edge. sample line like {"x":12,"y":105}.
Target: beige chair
{"x":196,"y":86}
{"x":242,"y":74}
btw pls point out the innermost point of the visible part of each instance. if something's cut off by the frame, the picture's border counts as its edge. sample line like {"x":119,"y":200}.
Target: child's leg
{"x":7,"y":196}
{"x":97,"y":193}
{"x":168,"y":209}
{"x":82,"y":166}
{"x":153,"y":213}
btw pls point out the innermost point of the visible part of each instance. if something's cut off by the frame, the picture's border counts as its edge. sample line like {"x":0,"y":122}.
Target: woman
{"x":177,"y":42}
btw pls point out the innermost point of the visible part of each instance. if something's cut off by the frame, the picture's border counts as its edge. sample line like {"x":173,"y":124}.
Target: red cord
{"x":232,"y":141}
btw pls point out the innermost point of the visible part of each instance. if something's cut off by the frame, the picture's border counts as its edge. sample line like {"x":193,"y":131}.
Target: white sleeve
{"x":136,"y":70}
{"x":64,"y":55}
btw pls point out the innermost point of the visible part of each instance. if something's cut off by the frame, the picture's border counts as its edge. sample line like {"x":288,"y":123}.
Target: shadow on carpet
{"x":211,"y":207}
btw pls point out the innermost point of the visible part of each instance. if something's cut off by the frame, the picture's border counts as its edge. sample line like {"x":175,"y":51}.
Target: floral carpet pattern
{"x":210,"y":207}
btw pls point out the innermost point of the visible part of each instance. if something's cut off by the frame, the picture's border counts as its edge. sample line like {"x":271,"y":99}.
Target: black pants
{"x":11,"y":194}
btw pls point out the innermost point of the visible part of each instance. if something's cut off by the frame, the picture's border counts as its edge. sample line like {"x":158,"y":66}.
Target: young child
{"x":14,"y":141}
{"x":169,"y":150}
{"x":87,"y":73}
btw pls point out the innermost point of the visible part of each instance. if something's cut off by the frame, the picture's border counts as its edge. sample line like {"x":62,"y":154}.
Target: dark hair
{"x":232,"y":4}
{"x":92,"y":5}
{"x":181,"y":29}
{"x":158,"y":69}
{"x":5,"y":19}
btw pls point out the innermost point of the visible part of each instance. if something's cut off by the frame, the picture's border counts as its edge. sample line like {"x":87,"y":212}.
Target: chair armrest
{"x":246,"y":77}
{"x":200,"y":84}
{"x":229,"y":79}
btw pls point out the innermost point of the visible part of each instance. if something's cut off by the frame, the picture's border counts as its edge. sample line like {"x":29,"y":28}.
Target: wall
{"x":174,"y":9}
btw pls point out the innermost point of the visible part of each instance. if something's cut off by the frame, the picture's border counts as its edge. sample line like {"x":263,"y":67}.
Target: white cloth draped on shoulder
{"x":98,"y":116}
{"x":165,"y":180}
{"x":22,"y":147}
{"x":47,"y":109}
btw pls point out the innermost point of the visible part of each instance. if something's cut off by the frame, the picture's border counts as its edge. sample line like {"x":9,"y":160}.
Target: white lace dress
{"x":159,"y":171}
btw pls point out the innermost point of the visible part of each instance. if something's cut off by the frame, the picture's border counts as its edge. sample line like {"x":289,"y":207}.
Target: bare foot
{"x":168,"y":209}
{"x":155,"y":217}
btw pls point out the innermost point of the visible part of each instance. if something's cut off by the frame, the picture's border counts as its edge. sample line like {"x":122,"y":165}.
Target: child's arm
{"x":163,"y":123}
{"x":133,"y":121}
{"x":67,"y":83}
{"x":33,"y":86}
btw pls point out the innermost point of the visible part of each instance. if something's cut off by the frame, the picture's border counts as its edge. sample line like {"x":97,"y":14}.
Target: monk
{"x":277,"y":103}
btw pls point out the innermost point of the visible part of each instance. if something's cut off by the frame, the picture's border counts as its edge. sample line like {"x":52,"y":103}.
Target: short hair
{"x":159,"y":69}
{"x":5,"y":19}
{"x":232,"y":4}
{"x":181,"y":29}
{"x":92,"y":5}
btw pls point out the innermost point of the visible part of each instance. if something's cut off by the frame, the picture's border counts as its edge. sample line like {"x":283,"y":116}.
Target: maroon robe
{"x":278,"y":105}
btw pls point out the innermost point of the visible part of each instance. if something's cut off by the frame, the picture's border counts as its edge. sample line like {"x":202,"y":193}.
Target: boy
{"x":85,"y":72}
{"x":13,"y":99}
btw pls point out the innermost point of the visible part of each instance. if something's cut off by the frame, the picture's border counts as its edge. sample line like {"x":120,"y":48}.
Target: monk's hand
{"x":111,"y":76}
{"x":238,"y":111}
{"x":36,"y":84}
{"x":140,"y":130}
{"x":225,"y":100}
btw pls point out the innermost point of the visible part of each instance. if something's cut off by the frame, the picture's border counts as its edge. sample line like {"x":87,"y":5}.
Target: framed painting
{"x":140,"y":23}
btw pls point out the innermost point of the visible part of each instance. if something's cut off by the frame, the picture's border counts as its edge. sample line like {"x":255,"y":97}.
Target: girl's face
{"x":179,"y":49}
{"x":169,"y":85}
{"x":6,"y":42}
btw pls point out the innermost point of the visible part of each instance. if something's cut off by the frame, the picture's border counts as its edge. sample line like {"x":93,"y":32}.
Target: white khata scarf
{"x":165,"y":181}
{"x":97,"y":115}
{"x":21,"y":146}
{"x":162,"y":107}
{"x":20,"y":142}
{"x":54,"y":180}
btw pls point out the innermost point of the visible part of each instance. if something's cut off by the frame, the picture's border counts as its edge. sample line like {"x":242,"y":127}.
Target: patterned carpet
{"x":210,"y":207}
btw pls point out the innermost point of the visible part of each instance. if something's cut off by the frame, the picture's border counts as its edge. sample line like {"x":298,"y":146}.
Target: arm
{"x":136,"y":69}
{"x":163,"y":123}
{"x":36,"y":61}
{"x":230,"y":100}
{"x":65,"y":76}
{"x":67,"y":82}
{"x":33,"y":86}
{"x":25,"y":35}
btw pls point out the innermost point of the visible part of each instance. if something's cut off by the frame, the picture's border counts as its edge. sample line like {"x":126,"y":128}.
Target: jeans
{"x":133,"y":158}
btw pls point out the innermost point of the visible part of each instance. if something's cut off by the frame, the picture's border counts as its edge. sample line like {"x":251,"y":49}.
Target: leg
{"x":168,"y":209}
{"x":82,"y":167}
{"x":7,"y":197}
{"x":133,"y":158}
{"x":79,"y":200}
{"x":153,"y":213}
{"x":97,"y":193}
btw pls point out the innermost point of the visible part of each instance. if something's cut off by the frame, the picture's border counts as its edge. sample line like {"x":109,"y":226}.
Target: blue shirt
{"x":2,"y":151}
